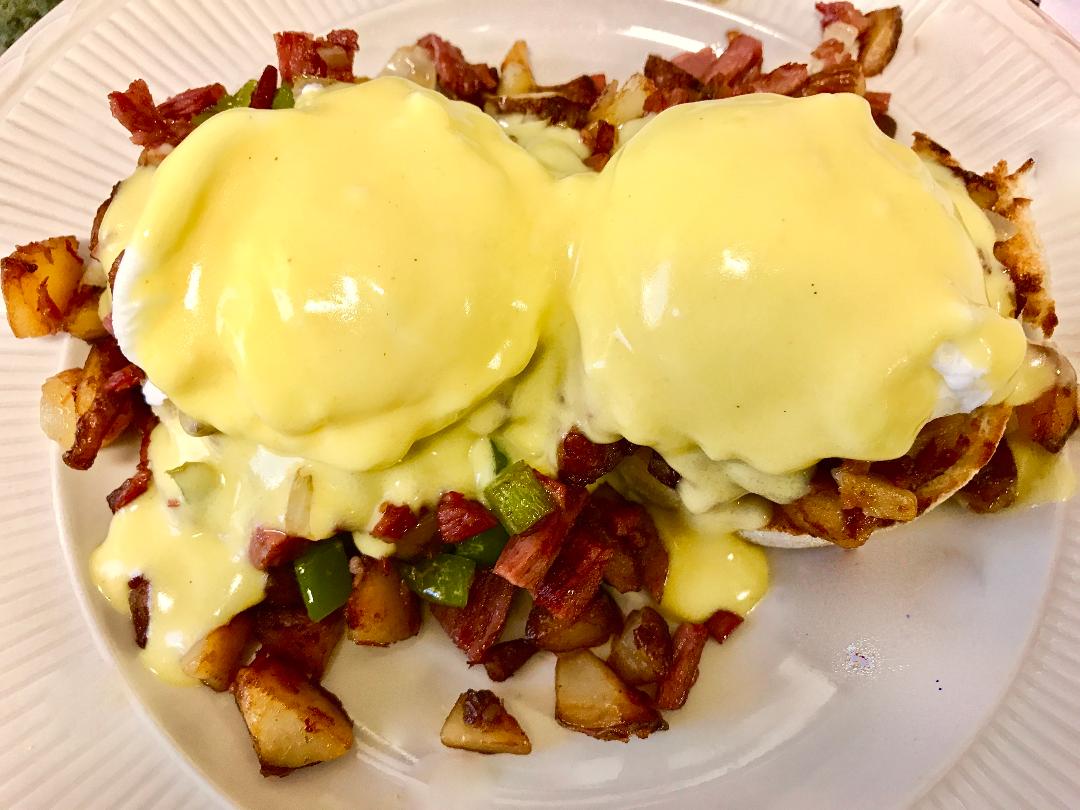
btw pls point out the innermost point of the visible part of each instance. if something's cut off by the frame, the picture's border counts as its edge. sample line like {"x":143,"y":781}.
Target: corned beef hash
{"x":580,"y":340}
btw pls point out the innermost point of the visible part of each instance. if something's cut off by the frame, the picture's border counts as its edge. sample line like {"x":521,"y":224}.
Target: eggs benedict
{"x":749,"y":262}
{"x":752,"y":263}
{"x":347,"y":336}
{"x":595,"y":339}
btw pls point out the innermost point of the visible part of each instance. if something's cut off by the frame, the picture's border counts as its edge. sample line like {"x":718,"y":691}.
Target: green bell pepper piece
{"x":483,"y":548}
{"x":500,"y":458}
{"x":517,"y":498}
{"x":323,"y":575}
{"x":283,"y":98}
{"x":445,"y":579}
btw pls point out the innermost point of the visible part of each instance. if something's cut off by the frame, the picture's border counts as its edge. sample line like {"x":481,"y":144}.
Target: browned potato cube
{"x":617,"y":105}
{"x":292,"y":721}
{"x":38,"y":281}
{"x":216,"y":658}
{"x":103,"y":414}
{"x":479,"y":722}
{"x":995,"y":486}
{"x":641,"y":653}
{"x":879,"y":41}
{"x":381,"y":608}
{"x":515,"y":75}
{"x":82,"y":319}
{"x":596,"y":624}
{"x":1050,"y":419}
{"x":875,"y":495}
{"x":590,"y":698}
{"x":288,"y":633}
{"x":58,"y":412}
{"x":503,"y":660}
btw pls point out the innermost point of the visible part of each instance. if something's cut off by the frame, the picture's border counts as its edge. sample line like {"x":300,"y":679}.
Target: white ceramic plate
{"x":941,"y":662}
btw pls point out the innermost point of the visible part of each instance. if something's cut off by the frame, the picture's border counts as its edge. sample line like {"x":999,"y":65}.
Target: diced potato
{"x":58,"y":412}
{"x":846,"y":77}
{"x":38,"y":281}
{"x":292,"y":721}
{"x":590,"y":698}
{"x":102,"y":415}
{"x":875,"y":495}
{"x":282,"y":589}
{"x":82,"y":319}
{"x":641,"y":653}
{"x":287,"y":633}
{"x":515,"y":75}
{"x":596,"y":624}
{"x":1050,"y":419}
{"x":507,"y":657}
{"x":412,"y":62}
{"x":879,"y":41}
{"x":995,"y":486}
{"x":479,"y":722}
{"x":216,"y":659}
{"x":381,"y":608}
{"x":618,"y":105}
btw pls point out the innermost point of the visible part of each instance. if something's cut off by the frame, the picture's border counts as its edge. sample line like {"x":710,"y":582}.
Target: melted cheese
{"x":364,"y":292}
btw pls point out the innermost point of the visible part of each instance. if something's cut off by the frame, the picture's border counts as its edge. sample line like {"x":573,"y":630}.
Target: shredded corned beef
{"x":667,"y":75}
{"x":460,"y":518}
{"x":574,"y":578}
{"x":741,"y":55}
{"x":879,"y":102}
{"x":152,"y":126}
{"x":396,"y":520}
{"x":330,"y":57}
{"x":830,"y":53}
{"x":476,"y":627}
{"x":262,"y":97}
{"x":127,"y":377}
{"x":842,"y":12}
{"x":527,"y":556}
{"x":697,"y":63}
{"x":458,"y":78}
{"x":582,"y":461}
{"x":271,"y":547}
{"x":599,"y":137}
{"x":138,"y":483}
{"x":688,"y":643}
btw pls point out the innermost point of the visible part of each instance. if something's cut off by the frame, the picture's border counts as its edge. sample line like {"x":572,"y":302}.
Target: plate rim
{"x":957,"y":770}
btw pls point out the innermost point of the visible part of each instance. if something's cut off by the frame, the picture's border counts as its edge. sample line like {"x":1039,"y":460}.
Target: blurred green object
{"x":18,"y":15}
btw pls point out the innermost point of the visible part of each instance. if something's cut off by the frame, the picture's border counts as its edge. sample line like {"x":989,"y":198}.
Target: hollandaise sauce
{"x":358,"y":296}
